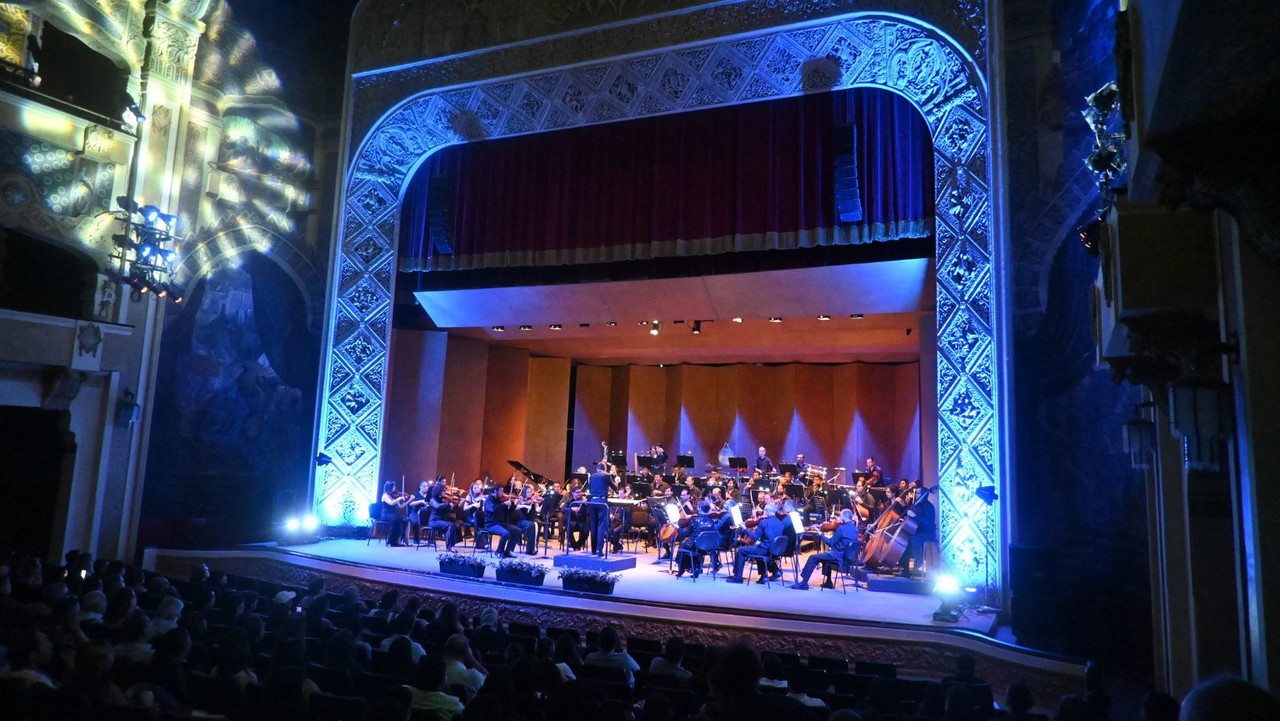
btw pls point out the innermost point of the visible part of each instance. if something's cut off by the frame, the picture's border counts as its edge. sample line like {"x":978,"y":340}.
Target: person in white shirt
{"x":427,"y":692}
{"x":612,"y":655}
{"x":460,"y":667}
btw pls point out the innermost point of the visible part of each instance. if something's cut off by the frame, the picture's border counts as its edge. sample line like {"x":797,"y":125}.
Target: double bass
{"x":887,"y":539}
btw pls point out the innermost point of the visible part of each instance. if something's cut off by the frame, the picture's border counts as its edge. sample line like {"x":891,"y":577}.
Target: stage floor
{"x":650,"y":583}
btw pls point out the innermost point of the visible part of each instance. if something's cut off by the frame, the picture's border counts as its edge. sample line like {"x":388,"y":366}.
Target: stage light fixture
{"x":824,"y":317}
{"x":947,"y":589}
{"x":737,"y":320}
{"x":584,"y":325}
{"x":775,"y":319}
{"x":987,"y":494}
{"x":499,"y":328}
{"x":131,"y":114}
{"x":555,"y":326}
{"x":697,"y":327}
{"x":856,"y":316}
{"x":656,"y":328}
{"x":296,"y":530}
{"x":611,"y":323}
{"x":643,"y":322}
{"x":526,"y":327}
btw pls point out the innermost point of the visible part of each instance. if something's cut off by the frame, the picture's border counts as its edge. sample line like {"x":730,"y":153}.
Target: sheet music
{"x":736,"y":512}
{"x":796,"y":522}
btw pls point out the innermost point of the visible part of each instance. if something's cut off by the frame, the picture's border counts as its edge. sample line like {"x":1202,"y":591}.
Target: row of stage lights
{"x":655,"y":326}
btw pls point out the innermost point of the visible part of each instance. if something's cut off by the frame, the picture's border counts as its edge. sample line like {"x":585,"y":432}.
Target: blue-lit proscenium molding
{"x":860,"y":50}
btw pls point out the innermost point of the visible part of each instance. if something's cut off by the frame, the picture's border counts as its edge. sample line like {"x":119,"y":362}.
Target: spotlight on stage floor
{"x":947,"y":588}
{"x":299,"y":529}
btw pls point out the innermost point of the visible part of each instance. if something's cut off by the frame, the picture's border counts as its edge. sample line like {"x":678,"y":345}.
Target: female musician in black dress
{"x":393,"y":505}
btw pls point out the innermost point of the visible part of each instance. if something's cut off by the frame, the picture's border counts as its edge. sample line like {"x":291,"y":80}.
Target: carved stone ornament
{"x":869,"y":50}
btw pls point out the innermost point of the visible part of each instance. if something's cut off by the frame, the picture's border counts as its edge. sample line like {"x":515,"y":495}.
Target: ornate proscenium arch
{"x":885,"y":51}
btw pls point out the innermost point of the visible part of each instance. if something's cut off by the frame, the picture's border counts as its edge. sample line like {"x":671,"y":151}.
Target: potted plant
{"x":457,"y":564}
{"x":511,"y":570}
{"x":584,"y":579}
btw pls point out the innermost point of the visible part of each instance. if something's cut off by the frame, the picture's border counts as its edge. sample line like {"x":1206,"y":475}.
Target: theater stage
{"x":650,"y":584}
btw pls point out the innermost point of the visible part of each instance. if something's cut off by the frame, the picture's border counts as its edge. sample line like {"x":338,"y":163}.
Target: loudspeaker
{"x":1033,"y":572}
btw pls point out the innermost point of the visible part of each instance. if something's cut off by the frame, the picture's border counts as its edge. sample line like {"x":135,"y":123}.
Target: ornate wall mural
{"x":868,"y":50}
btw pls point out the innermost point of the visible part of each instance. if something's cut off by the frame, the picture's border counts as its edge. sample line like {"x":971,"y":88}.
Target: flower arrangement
{"x":515,"y":565}
{"x":459,"y":559}
{"x":589,"y":576}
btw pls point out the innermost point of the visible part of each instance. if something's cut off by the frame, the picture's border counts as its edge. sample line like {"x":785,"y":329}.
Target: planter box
{"x":462,"y":569}
{"x":586,"y":585}
{"x":520,"y":577}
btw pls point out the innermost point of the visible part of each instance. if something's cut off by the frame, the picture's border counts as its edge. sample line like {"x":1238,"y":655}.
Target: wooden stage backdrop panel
{"x":836,"y":415}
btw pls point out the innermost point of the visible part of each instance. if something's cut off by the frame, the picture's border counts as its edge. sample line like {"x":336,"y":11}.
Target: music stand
{"x":684,"y":460}
{"x":738,"y":464}
{"x":794,"y":491}
{"x":640,"y":489}
{"x":550,"y":506}
{"x":788,"y":467}
{"x":618,"y":458}
{"x":581,"y":478}
{"x":643,"y":461}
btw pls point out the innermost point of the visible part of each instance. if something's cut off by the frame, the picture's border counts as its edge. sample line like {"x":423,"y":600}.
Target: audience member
{"x":612,"y":655}
{"x":427,"y":691}
{"x":461,"y":668}
{"x":1229,"y":699}
{"x":668,"y":664}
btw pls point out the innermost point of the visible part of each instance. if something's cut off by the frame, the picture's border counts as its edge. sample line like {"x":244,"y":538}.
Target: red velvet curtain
{"x":758,"y":176}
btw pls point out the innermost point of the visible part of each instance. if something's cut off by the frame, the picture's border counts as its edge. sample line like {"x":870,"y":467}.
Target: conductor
{"x":598,"y":485}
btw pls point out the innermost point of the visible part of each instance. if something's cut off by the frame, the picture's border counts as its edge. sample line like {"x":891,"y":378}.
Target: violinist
{"x":473,"y":503}
{"x":442,"y":514}
{"x":575,"y":510}
{"x":691,"y":559}
{"x":863,"y":507}
{"x":774,"y":524}
{"x":498,"y":507}
{"x":844,"y":545}
{"x":417,"y":503}
{"x":393,"y":505}
{"x":527,"y":501}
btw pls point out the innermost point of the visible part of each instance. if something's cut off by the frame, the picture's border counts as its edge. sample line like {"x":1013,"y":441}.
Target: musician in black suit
{"x":497,"y":509}
{"x":802,"y":468}
{"x":763,"y":463}
{"x":442,"y":515}
{"x":844,"y":546}
{"x":774,"y":524}
{"x":598,"y":485}
{"x":924,"y":541}
{"x":575,"y":512}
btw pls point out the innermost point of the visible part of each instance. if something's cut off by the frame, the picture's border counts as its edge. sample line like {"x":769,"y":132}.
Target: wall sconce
{"x":1140,"y":437}
{"x":1203,"y":412}
{"x":127,"y":409}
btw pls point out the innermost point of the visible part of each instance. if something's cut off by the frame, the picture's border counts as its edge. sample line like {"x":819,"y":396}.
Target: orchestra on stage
{"x":752,"y":516}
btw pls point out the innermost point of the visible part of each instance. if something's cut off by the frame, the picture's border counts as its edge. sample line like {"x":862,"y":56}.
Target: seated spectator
{"x":668,"y":664}
{"x":544,"y":649}
{"x":612,"y":655}
{"x":447,"y":623}
{"x":1229,"y":699}
{"x":233,"y":659}
{"x":733,"y":691}
{"x":166,"y":616}
{"x":1018,"y":702}
{"x":133,"y":634}
{"x":386,"y":605}
{"x":401,"y":659}
{"x":966,"y":664}
{"x":28,"y":653}
{"x":121,"y":602}
{"x":567,"y":655}
{"x":461,"y":668}
{"x":773,"y":675}
{"x":797,"y":683}
{"x":314,"y":589}
{"x":169,"y":664}
{"x":489,"y":636}
{"x":92,"y":605}
{"x":65,"y":623}
{"x":92,"y":675}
